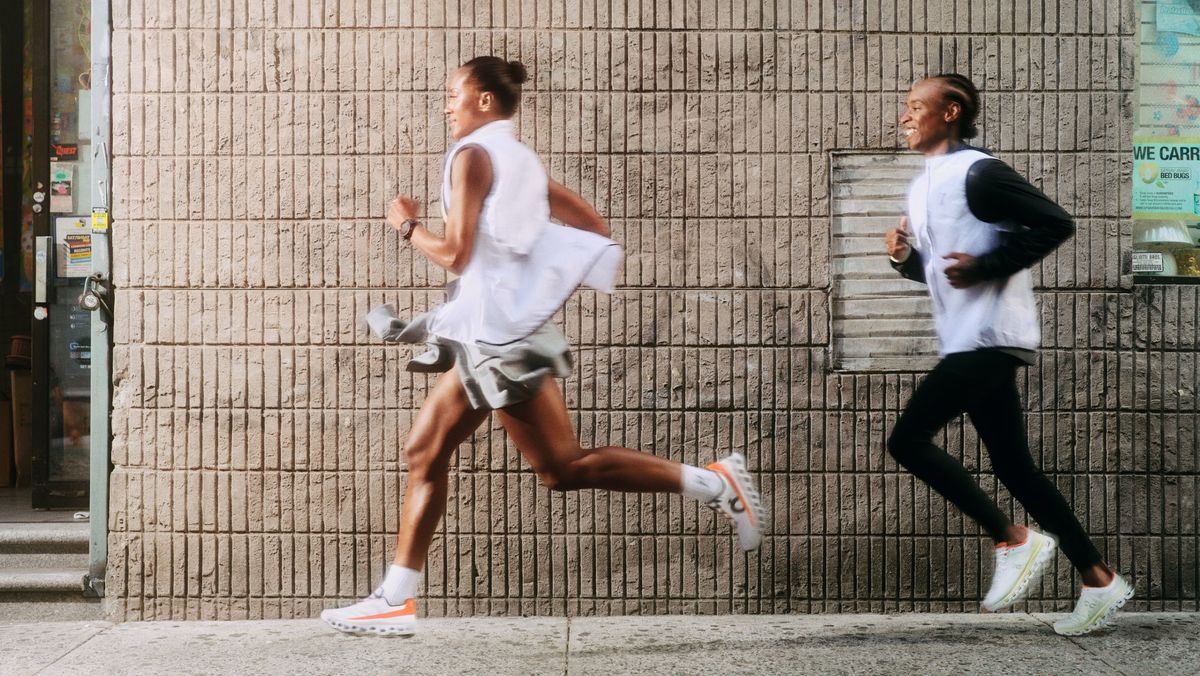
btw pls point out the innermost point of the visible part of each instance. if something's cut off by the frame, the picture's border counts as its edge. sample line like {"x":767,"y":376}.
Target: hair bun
{"x":516,"y":70}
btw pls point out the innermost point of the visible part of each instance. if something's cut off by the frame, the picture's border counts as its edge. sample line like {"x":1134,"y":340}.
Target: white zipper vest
{"x":522,"y":267}
{"x":999,"y":313}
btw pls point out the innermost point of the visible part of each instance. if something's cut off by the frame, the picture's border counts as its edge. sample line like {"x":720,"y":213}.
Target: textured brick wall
{"x":257,"y":426}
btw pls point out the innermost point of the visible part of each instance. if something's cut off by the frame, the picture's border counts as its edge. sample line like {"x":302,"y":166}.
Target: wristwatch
{"x":407,"y":227}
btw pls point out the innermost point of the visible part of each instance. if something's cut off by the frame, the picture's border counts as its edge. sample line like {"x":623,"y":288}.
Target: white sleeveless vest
{"x":1000,"y":313}
{"x":522,"y":267}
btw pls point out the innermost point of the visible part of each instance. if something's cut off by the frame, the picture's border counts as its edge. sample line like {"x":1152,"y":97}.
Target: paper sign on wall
{"x":73,"y":238}
{"x":1166,"y":172}
{"x":99,"y":219}
{"x":1147,"y":261}
{"x":62,"y":184}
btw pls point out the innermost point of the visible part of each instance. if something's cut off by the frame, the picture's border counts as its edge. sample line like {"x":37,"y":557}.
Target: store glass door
{"x":61,"y":329}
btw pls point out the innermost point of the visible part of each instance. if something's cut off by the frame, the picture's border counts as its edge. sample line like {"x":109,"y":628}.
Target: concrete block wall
{"x":258,"y":427}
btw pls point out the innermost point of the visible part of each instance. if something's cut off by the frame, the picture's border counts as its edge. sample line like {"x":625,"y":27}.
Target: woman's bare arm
{"x":574,"y":211}
{"x":471,"y":180}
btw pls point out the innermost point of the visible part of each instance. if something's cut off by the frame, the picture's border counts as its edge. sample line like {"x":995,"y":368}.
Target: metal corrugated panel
{"x":881,"y":321}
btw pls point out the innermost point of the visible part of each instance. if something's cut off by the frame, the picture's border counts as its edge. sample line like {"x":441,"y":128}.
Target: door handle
{"x":42,"y":259}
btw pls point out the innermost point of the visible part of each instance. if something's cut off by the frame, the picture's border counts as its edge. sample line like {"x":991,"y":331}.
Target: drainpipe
{"x":100,"y":283}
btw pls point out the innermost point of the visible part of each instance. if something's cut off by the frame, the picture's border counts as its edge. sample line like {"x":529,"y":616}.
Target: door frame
{"x":59,"y":494}
{"x":100,"y":462}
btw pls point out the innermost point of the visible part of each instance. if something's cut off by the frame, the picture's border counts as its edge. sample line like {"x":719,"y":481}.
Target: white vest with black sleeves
{"x":998,"y":313}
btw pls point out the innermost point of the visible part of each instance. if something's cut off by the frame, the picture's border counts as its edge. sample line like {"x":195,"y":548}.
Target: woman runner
{"x":976,"y":228}
{"x":493,"y":341}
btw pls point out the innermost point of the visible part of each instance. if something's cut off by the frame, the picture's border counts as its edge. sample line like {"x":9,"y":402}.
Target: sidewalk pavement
{"x":1009,"y":643}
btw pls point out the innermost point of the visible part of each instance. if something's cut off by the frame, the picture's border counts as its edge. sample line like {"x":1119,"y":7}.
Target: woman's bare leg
{"x":541,"y":429}
{"x":445,"y":420}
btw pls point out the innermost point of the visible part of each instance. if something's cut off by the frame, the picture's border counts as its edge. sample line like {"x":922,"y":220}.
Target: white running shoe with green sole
{"x":1095,"y":608}
{"x":1016,"y":567}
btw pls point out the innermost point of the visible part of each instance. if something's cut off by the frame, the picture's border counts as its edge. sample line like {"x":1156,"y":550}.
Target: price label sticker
{"x":1147,"y":261}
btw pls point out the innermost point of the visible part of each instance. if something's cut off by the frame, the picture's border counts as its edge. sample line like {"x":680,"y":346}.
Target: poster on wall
{"x":73,"y":239}
{"x":1165,"y":174}
{"x":62,"y":187}
{"x":1169,"y":68}
{"x":1178,"y":16}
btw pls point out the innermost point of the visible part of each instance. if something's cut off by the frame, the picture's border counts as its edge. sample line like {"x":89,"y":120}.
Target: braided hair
{"x":958,"y":89}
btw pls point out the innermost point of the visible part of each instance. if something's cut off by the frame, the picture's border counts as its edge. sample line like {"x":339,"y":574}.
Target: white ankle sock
{"x":399,"y":584}
{"x":703,"y":484}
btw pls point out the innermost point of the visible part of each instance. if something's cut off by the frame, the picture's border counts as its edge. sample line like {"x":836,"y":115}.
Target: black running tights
{"x":983,"y":385}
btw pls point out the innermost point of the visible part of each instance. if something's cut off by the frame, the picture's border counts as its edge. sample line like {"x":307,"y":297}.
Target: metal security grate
{"x":881,"y":321}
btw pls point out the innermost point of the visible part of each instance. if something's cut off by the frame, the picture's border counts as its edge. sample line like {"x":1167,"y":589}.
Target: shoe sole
{"x":743,"y":486}
{"x":394,"y":630}
{"x":1035,"y":569}
{"x":1103,"y":619}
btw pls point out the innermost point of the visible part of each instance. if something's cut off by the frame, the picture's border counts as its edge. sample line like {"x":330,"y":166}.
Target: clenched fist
{"x":897,"y":241}
{"x":401,"y":209}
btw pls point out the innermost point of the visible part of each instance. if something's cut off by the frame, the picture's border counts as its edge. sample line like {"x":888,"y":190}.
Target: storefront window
{"x":71,"y":164}
{"x":1166,"y":144}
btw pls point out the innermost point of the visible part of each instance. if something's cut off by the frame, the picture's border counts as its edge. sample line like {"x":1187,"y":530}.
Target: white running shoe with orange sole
{"x":739,"y":500}
{"x":374,"y":615}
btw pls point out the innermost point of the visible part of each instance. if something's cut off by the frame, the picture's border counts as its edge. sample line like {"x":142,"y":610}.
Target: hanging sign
{"x":1166,"y":172}
{"x":64,"y":152}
